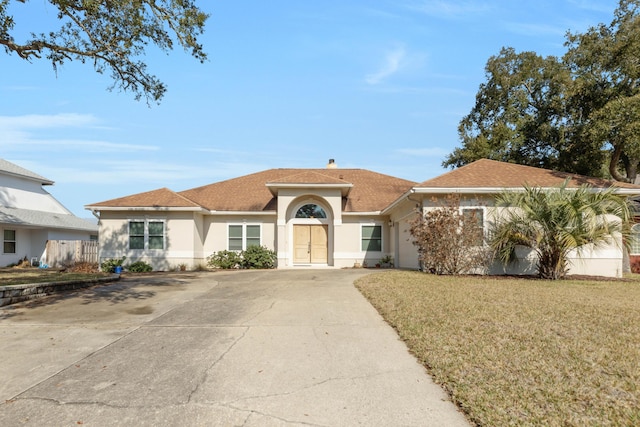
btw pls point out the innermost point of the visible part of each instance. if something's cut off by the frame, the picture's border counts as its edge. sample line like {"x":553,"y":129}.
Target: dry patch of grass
{"x":15,"y":276}
{"x":521,"y":352}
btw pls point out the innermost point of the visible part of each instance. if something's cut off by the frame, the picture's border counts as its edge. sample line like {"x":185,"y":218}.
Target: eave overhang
{"x":274,"y":187}
{"x":244,"y":213}
{"x":497,"y":190}
{"x":369,"y":213}
{"x":146,"y":208}
{"x":487,"y":190}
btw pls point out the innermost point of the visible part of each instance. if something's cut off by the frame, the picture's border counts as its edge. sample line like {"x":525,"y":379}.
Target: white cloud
{"x":39,"y":121}
{"x":119,"y":172}
{"x":20,"y":134}
{"x":393,"y":62}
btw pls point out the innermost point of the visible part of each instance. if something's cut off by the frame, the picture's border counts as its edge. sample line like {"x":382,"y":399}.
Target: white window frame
{"x":146,"y":222}
{"x":373,"y":224}
{"x":14,"y":241}
{"x":244,"y":234}
{"x":634,"y":247}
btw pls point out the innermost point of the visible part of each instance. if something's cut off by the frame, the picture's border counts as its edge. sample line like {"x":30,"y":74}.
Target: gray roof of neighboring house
{"x":28,"y":217}
{"x":13,"y":169}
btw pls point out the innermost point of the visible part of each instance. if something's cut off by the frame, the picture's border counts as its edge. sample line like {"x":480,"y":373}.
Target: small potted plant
{"x":113,"y":265}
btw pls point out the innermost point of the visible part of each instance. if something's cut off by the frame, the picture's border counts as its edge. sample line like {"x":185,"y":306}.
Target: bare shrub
{"x":450,"y":240}
{"x":83,"y":267}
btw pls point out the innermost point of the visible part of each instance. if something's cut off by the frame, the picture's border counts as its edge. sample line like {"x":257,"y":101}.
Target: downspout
{"x":418,"y":202}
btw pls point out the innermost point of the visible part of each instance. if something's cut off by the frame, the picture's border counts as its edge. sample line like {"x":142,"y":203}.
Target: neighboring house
{"x":313,"y":217}
{"x":30,"y":216}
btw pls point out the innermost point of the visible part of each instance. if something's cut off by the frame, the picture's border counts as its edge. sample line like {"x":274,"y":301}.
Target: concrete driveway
{"x":240,"y":348}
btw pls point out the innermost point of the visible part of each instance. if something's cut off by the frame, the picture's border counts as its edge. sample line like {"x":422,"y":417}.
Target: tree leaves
{"x":574,"y":113}
{"x":114,"y":36}
{"x":557,"y":221}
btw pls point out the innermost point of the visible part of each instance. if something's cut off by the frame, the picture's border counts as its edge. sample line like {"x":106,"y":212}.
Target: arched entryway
{"x":310,"y":233}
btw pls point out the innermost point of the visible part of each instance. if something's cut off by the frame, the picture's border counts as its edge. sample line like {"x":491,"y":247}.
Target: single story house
{"x":314,"y":217}
{"x":30,"y":216}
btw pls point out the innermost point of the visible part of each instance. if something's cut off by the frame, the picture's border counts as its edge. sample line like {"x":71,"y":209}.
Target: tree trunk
{"x":613,"y":164}
{"x":552,"y":265}
{"x":630,"y":166}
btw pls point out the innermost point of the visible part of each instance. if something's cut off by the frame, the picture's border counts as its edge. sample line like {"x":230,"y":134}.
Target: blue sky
{"x":378,"y":85}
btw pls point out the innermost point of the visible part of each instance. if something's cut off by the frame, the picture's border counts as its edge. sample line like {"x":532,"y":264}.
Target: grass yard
{"x":16,"y":276}
{"x":520,"y":351}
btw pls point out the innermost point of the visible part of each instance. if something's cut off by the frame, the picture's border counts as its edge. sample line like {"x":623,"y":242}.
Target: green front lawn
{"x":520,"y":351}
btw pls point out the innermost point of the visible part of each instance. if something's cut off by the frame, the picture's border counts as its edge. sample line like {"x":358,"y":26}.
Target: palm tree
{"x":557,"y":221}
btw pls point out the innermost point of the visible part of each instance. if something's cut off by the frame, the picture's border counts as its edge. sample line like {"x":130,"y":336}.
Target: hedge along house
{"x":309,"y":217}
{"x":479,"y":182}
{"x":322,"y":217}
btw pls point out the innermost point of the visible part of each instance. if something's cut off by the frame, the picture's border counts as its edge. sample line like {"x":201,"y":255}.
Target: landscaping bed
{"x":17,"y":276}
{"x":22,"y":284}
{"x":514,"y":351}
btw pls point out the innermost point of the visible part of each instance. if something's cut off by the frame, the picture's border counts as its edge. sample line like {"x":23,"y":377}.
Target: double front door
{"x":310,"y":243}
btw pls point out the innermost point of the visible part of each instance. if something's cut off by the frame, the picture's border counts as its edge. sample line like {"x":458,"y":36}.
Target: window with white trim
{"x":635,"y":240}
{"x":474,"y":219}
{"x":147,"y":234}
{"x":9,"y":245}
{"x":241,"y":236}
{"x":372,"y":238}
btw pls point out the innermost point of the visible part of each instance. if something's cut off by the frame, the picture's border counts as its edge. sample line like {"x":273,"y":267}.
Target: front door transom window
{"x":311,"y":210}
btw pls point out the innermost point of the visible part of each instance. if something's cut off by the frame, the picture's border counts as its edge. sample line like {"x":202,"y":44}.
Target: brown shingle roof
{"x":487,"y":173}
{"x":371,"y":191}
{"x":162,"y":197}
{"x":308,"y":177}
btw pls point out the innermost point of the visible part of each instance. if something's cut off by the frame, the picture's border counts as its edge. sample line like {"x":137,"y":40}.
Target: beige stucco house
{"x":328,"y":217}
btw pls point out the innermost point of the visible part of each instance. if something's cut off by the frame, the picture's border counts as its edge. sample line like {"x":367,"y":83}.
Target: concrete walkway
{"x":243,"y":348}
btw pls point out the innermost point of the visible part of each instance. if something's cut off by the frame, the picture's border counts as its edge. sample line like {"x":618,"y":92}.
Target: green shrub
{"x":109,"y":265}
{"x":139,"y":267}
{"x":224,"y":259}
{"x":254,"y":257}
{"x":258,"y":257}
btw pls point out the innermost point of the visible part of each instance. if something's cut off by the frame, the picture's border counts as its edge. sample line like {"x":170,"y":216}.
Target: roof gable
{"x":8,"y":168}
{"x":309,"y":179}
{"x":485,"y":173}
{"x":162,"y":197}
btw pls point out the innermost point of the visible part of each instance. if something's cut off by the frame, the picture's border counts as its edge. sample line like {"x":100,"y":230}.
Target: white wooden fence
{"x":66,"y":252}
